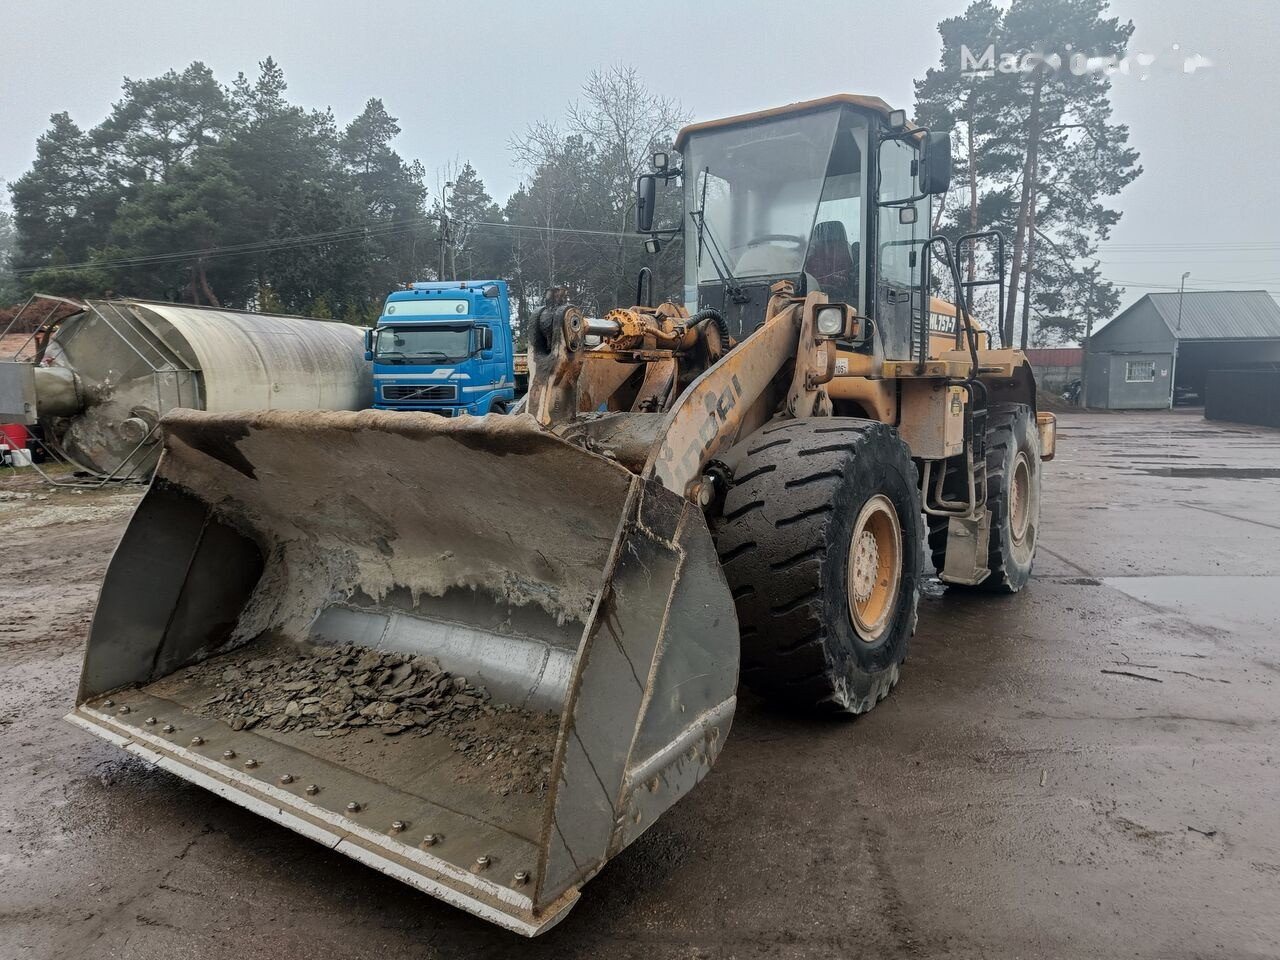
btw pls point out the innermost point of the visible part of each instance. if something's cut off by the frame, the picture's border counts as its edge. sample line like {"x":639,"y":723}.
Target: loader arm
{"x":734,"y":396}
{"x":709,"y":415}
{"x":727,"y":396}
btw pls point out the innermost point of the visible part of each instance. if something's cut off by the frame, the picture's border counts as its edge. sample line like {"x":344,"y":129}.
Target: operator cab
{"x":807,"y":193}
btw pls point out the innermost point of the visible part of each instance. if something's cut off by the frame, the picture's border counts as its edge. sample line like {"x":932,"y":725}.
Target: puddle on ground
{"x":1214,"y":473}
{"x":1212,"y":601}
{"x":1155,"y":456}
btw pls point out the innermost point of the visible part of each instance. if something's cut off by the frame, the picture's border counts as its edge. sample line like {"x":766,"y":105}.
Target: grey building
{"x":1138,"y":359}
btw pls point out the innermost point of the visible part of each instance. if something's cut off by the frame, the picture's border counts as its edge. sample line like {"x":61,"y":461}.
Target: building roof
{"x":1217,"y":314}
{"x":1056,"y":357}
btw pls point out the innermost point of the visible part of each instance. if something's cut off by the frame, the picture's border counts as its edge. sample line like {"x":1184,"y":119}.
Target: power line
{"x":1196,"y":289}
{"x":1210,"y":282}
{"x":1165,"y":261}
{"x":1247,"y":246}
{"x":348,"y":235}
{"x":260,"y":246}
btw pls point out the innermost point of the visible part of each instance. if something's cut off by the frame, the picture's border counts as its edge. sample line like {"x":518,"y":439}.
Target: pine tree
{"x":1045,"y":157}
{"x":59,"y":204}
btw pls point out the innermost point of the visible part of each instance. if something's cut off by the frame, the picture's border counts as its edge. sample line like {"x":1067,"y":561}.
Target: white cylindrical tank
{"x":105,"y":376}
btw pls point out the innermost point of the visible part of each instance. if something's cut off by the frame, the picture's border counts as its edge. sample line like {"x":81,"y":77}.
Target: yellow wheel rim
{"x":874,"y":568}
{"x":1020,"y":498}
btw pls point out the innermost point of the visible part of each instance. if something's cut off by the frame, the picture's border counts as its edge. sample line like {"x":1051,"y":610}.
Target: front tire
{"x":822,"y":543}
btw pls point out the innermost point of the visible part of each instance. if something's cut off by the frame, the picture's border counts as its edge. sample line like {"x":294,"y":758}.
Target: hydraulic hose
{"x":712,"y":315}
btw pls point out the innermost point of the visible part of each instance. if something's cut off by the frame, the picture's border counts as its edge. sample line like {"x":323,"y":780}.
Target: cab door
{"x":902,"y":229}
{"x":488,"y":368}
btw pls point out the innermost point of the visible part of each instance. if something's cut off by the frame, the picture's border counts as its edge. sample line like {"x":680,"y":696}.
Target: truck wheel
{"x":1013,"y":497}
{"x":821,"y":542}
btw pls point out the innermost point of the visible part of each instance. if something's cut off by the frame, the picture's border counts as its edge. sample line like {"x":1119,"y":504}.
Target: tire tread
{"x":773,"y":544}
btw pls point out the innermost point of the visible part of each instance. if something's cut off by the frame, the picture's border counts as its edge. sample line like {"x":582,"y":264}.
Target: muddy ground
{"x":1088,"y":769}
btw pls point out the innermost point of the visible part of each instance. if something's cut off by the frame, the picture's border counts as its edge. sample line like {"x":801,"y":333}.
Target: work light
{"x":830,"y":321}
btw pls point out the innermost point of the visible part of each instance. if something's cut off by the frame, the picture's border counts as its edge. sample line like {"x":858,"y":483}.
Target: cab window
{"x":834,"y":261}
{"x":897,"y":241}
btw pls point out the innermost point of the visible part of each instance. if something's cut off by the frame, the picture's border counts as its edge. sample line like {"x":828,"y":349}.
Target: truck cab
{"x":444,"y":347}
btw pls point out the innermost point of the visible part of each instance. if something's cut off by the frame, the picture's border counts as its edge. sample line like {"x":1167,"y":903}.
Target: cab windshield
{"x":777,"y":198}
{"x":434,"y":344}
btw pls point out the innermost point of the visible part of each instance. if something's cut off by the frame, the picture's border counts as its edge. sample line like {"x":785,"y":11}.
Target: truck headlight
{"x":830,"y":321}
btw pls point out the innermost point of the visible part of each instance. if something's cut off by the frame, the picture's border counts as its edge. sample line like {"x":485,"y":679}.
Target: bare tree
{"x":583,"y":172}
{"x":627,"y":121}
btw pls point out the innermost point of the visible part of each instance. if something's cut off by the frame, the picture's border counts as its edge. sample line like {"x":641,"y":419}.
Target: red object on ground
{"x":14,"y":434}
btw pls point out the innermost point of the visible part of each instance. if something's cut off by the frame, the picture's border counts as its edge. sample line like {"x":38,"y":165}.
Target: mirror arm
{"x":904,"y":202}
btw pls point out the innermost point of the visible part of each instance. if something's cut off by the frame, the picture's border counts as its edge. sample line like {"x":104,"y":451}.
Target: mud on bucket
{"x":582,"y":606}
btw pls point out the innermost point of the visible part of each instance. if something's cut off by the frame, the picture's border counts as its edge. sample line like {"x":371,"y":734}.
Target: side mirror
{"x":646,"y":196}
{"x":935,"y":162}
{"x":368,"y":344}
{"x":486,"y":338}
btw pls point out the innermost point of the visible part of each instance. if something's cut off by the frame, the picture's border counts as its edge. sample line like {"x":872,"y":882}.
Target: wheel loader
{"x":484,"y":654}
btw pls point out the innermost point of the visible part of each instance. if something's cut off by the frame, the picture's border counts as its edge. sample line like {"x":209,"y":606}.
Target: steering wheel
{"x":775,"y":238}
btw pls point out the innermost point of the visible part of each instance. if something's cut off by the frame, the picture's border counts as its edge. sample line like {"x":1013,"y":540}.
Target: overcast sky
{"x":463,"y":76}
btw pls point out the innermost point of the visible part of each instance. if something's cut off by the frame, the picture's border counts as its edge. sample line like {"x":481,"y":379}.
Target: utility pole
{"x":1082,"y":400}
{"x":444,"y":226}
{"x":1177,"y":339}
{"x":1027,"y":274}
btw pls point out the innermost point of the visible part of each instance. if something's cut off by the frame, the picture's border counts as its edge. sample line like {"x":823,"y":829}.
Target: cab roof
{"x":853,"y":99}
{"x":455,"y":287}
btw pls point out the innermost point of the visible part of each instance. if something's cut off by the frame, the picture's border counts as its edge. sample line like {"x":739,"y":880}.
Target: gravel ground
{"x":1087,"y":769}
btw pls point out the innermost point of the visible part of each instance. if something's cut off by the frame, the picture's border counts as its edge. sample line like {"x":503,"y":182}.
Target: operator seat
{"x":831,"y":261}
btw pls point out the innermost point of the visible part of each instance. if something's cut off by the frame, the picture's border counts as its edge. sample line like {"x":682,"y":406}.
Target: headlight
{"x":830,"y":321}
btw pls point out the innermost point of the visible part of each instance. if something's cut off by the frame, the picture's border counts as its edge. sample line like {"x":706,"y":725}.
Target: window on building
{"x":1139,"y":371}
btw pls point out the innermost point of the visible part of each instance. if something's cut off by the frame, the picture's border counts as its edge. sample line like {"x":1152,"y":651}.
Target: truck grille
{"x":421,"y":393}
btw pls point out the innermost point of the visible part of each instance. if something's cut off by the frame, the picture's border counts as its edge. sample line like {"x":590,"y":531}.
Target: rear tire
{"x":1013,"y":497}
{"x":822,"y":544}
{"x":1013,"y":494}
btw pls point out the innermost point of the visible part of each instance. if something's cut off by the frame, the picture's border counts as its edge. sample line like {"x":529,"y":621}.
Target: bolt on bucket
{"x":464,"y":652}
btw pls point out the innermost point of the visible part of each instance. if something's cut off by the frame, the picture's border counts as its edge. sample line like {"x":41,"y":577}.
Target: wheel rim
{"x":1020,"y":499}
{"x":874,"y":568}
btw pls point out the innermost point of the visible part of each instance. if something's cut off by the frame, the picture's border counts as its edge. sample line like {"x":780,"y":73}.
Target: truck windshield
{"x":434,"y":344}
{"x":777,"y":197}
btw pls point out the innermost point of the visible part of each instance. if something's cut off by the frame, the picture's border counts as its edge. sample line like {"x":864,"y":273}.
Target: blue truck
{"x":444,"y":347}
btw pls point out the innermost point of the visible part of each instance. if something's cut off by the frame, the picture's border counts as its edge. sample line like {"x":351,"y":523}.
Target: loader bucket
{"x":464,"y":652}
